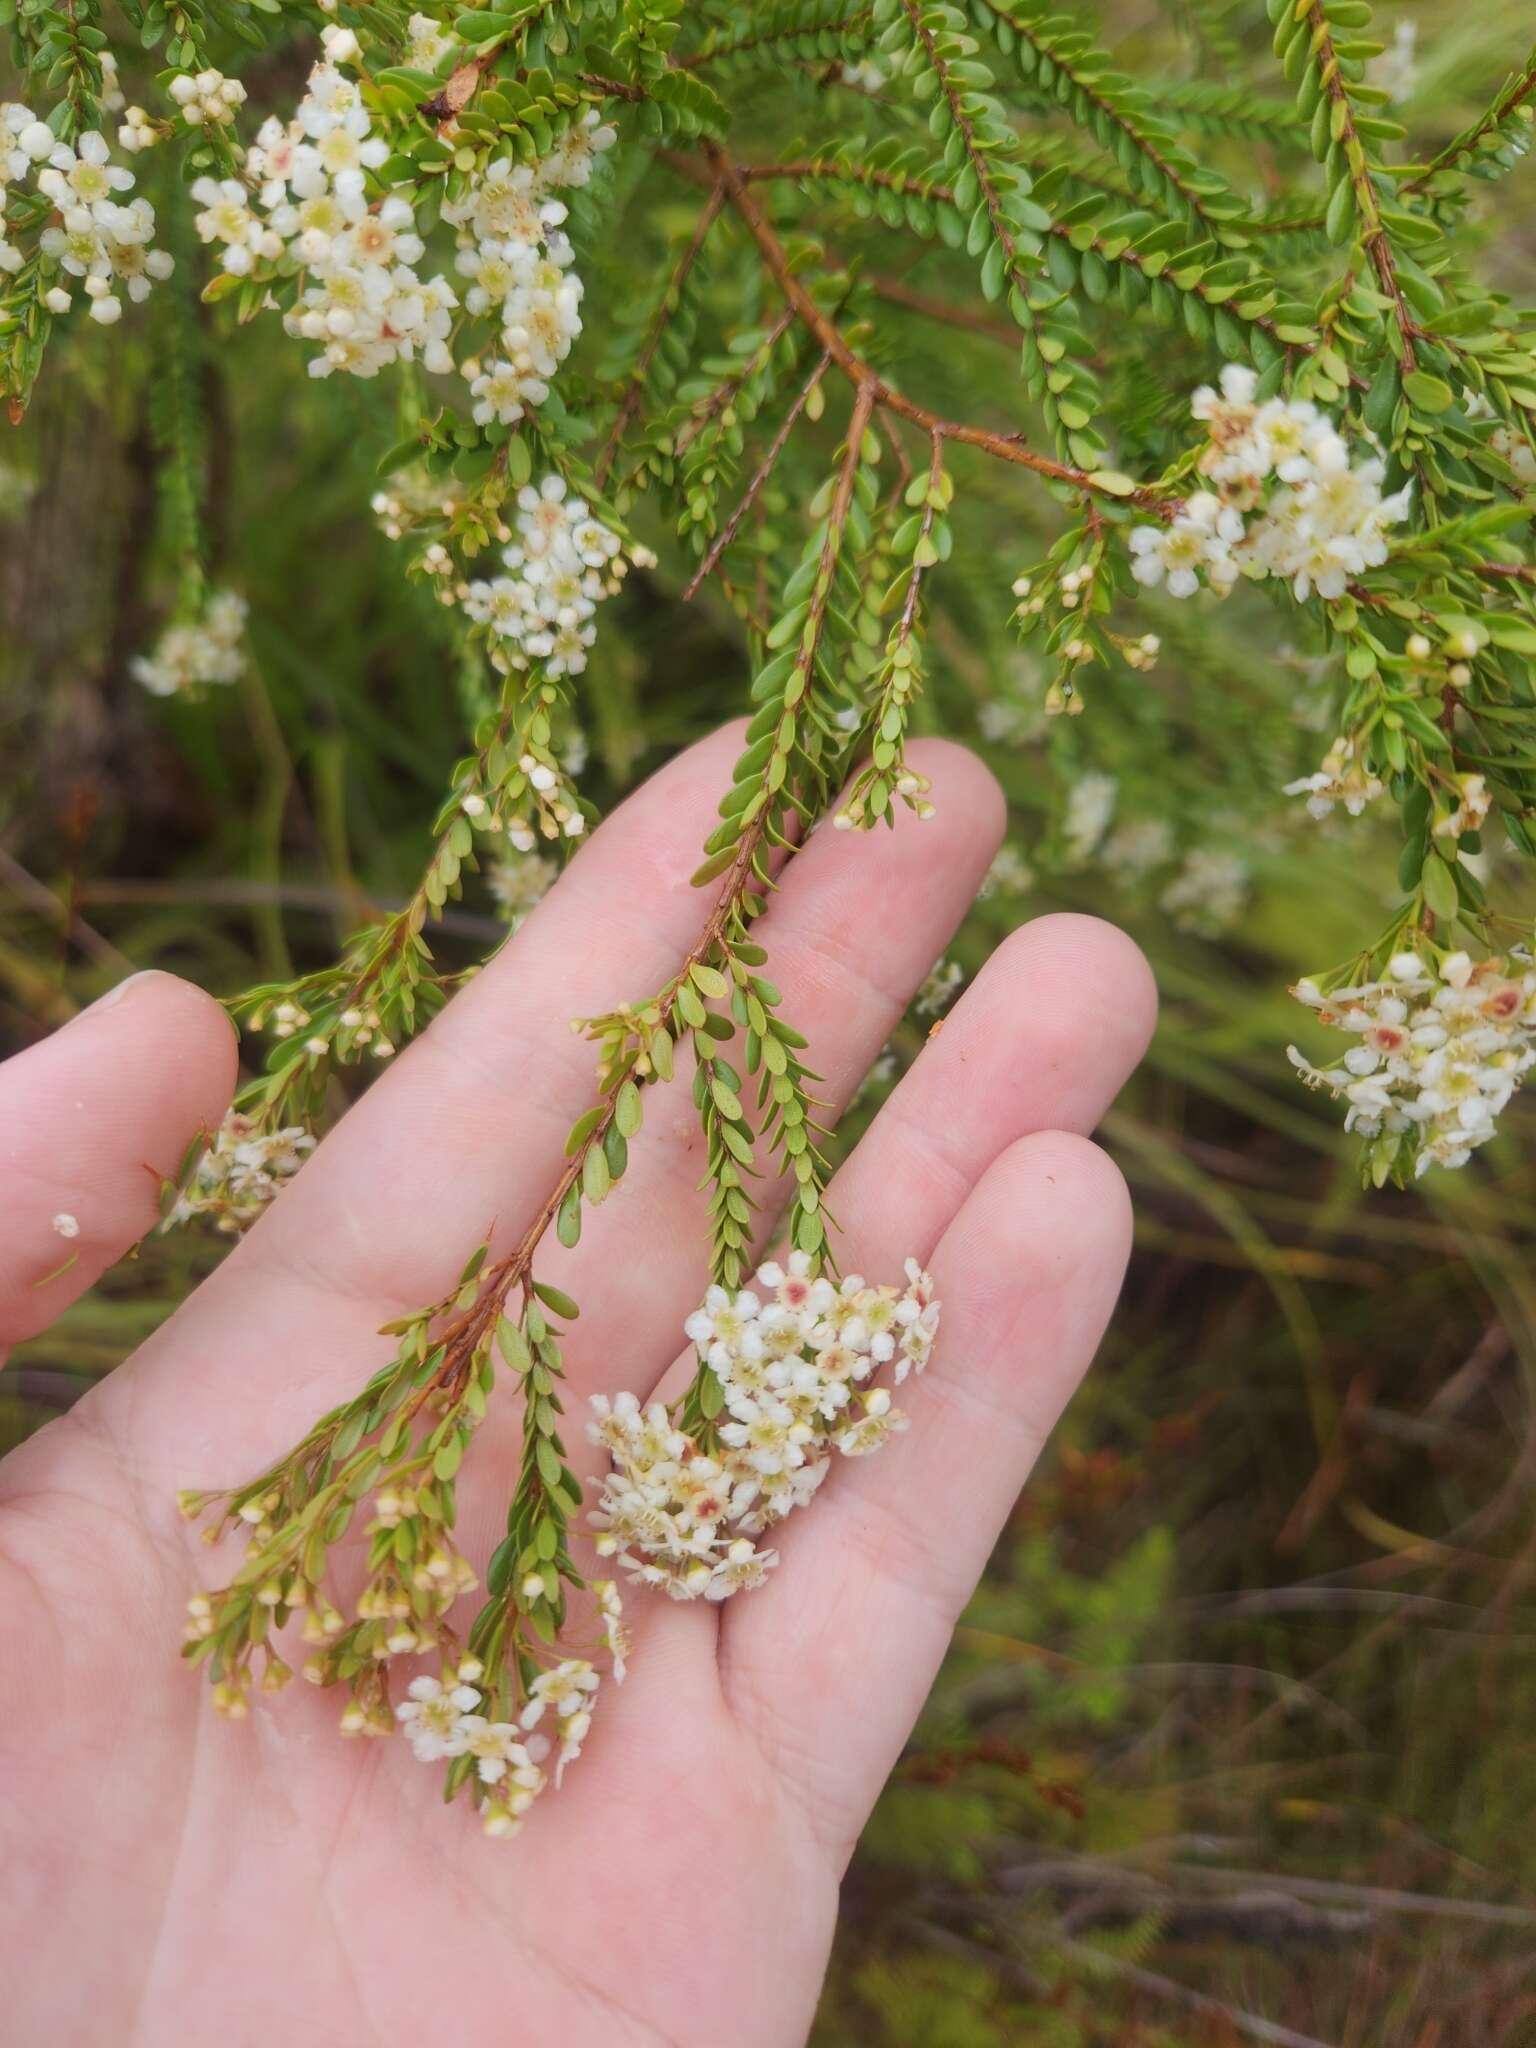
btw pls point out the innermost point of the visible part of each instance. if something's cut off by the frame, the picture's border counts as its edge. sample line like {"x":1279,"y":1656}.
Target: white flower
{"x":432,"y":1718}
{"x":494,"y":1745}
{"x":566,"y":1689}
{"x":1396,"y":71}
{"x":243,"y":1169}
{"x":874,"y":1426}
{"x":1343,"y":778}
{"x":1473,"y":802}
{"x":724,"y":1325}
{"x":1009,"y":875}
{"x":1135,"y":848}
{"x":615,"y":1635}
{"x":742,"y":1567}
{"x":429,"y":42}
{"x":503,"y":392}
{"x":518,"y":881}
{"x":1201,"y":537}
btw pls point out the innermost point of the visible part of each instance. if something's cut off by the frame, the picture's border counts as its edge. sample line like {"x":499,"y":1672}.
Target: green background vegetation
{"x":1242,"y":1723}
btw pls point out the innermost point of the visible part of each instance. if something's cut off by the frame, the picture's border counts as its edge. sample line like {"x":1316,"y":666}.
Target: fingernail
{"x":114,"y":996}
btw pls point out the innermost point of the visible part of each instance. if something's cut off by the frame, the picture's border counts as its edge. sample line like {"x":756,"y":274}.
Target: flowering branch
{"x":1362,"y":458}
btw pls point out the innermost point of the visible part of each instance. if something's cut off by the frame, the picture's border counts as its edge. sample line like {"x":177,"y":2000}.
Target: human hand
{"x":171,"y":1877}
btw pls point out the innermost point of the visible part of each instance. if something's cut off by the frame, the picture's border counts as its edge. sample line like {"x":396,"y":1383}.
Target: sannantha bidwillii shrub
{"x":1255,"y":361}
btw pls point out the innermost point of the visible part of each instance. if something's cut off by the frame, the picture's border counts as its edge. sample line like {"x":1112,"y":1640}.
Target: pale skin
{"x":172,"y":1877}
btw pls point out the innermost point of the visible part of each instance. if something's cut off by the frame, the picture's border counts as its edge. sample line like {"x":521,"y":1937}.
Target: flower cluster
{"x":99,"y":238}
{"x":1443,"y":1046}
{"x":207,"y":99}
{"x":363,"y":301}
{"x":303,"y":205}
{"x":441,"y":1719}
{"x":240,"y":1172}
{"x":560,"y":566}
{"x":194,"y":652}
{"x":1009,"y":875}
{"x":513,"y":251}
{"x":1343,"y":777}
{"x":518,"y":881}
{"x":793,"y":1362}
{"x":1285,"y":500}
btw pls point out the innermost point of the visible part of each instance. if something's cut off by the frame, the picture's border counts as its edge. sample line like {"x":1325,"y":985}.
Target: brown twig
{"x":1006,"y":447}
{"x":760,"y":476}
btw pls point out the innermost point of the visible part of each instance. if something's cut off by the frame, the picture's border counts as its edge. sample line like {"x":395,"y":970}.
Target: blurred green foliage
{"x":1242,"y":1724}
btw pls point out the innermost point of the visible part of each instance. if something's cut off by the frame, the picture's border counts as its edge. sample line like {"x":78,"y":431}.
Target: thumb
{"x":91,"y":1121}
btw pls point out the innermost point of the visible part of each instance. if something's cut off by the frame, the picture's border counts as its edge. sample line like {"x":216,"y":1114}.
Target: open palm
{"x":173,"y":1878}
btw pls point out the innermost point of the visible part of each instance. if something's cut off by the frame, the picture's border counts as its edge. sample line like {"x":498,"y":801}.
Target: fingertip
{"x":1088,"y":995}
{"x":1042,"y":1245}
{"x":94,"y":1119}
{"x":1053,"y":1192}
{"x":183,"y":1043}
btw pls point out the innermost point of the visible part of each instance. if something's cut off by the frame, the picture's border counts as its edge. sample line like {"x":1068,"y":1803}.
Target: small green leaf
{"x":1439,"y":886}
{"x":547,"y":1458}
{"x":628,"y":1110}
{"x":556,"y":1302}
{"x":1430,"y":394}
{"x":710,"y":980}
{"x":512,"y":1345}
{"x":596,"y":1178}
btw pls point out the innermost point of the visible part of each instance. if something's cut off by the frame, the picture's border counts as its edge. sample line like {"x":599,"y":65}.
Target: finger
{"x":834,"y":1666}
{"x":1048,"y":1033}
{"x":1044,"y":1038}
{"x":91,"y":1121}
